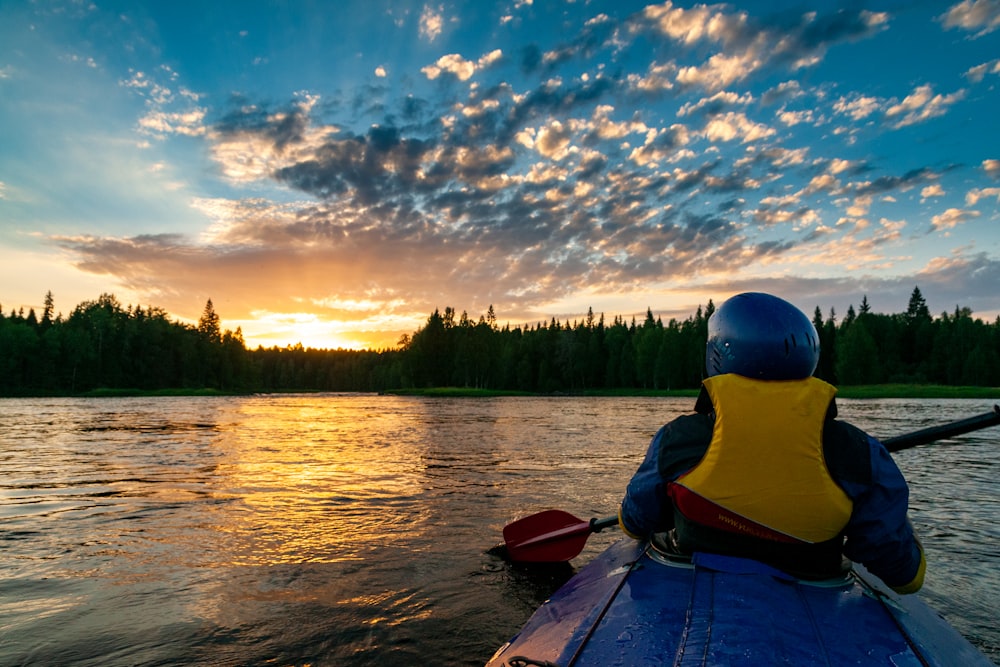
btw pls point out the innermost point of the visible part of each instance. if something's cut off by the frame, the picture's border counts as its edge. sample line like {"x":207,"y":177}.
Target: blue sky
{"x":330,"y":173}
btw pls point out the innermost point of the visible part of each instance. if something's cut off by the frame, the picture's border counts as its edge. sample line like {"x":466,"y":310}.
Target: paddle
{"x":553,"y":536}
{"x":949,"y":430}
{"x":550,"y":536}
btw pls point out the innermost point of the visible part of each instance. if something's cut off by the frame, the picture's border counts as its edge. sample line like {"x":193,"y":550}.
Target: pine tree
{"x":857,"y":356}
{"x":208,"y":325}
{"x":917,"y":310}
{"x":49,"y":309}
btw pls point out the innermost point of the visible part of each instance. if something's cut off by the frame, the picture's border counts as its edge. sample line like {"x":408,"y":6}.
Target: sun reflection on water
{"x":312,"y":485}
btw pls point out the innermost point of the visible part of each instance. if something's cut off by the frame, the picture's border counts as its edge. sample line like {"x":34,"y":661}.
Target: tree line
{"x":103,"y":344}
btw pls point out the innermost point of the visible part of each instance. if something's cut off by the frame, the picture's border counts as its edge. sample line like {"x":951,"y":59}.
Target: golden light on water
{"x":311,"y":488}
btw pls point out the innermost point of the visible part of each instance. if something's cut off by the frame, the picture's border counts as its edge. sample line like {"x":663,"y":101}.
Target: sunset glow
{"x":330,"y":176}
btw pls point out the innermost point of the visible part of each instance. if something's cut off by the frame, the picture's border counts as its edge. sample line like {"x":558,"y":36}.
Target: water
{"x":355,"y":529}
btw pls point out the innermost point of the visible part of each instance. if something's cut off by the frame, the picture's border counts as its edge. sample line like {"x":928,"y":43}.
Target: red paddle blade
{"x":551,"y":536}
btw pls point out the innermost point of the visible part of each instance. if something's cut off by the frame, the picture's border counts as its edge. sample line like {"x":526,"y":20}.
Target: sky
{"x":330,"y":173}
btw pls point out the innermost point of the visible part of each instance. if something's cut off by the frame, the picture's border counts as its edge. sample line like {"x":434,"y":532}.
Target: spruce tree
{"x":208,"y":324}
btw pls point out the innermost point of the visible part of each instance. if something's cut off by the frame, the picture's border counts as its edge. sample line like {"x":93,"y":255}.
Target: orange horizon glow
{"x":373,"y":340}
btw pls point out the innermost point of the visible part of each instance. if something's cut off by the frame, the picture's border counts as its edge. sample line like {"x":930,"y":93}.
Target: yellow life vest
{"x":764,"y":473}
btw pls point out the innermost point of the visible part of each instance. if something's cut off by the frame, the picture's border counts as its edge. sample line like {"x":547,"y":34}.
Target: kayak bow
{"x":634,"y":606}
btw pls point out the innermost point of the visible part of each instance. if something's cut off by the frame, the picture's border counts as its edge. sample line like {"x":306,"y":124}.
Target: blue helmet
{"x":760,"y":336}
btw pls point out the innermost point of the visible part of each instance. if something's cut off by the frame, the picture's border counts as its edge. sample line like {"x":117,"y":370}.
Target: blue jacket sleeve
{"x":643,"y":510}
{"x":879,"y":536}
{"x":675,"y":449}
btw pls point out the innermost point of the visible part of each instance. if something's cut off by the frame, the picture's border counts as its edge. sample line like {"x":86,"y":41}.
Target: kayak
{"x":634,"y":605}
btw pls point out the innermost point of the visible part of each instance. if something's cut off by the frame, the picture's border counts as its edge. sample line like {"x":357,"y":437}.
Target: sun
{"x":289,"y":329}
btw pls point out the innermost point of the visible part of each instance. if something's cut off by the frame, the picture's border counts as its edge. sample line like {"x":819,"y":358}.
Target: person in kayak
{"x":763,"y":469}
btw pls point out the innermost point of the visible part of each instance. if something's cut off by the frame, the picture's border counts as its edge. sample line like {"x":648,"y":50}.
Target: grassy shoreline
{"x":877,"y":391}
{"x":916,"y":391}
{"x":128,"y":392}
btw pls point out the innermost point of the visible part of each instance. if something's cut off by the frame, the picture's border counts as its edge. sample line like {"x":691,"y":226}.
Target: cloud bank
{"x":673,"y":150}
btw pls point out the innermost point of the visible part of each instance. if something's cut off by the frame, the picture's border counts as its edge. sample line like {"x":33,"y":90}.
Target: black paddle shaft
{"x":926,"y":435}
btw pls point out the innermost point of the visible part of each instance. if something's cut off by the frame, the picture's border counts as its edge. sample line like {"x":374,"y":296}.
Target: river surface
{"x":356,"y":529}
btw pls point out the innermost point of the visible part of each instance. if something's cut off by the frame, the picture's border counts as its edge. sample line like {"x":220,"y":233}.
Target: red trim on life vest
{"x":703,"y":511}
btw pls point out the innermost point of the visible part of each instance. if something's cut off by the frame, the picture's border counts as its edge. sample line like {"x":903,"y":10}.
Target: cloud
{"x":458,"y":66}
{"x":919,"y":106}
{"x":960,"y":278}
{"x":745,"y":45}
{"x":169,"y":109}
{"x":253,"y":143}
{"x":77,"y":58}
{"x":159,"y":123}
{"x":689,"y":26}
{"x":929,"y":191}
{"x":528,"y":189}
{"x":715,"y":104}
{"x":783,"y":92}
{"x":330,"y":282}
{"x":553,"y":140}
{"x":343,"y":257}
{"x":720,"y":71}
{"x":792,"y":118}
{"x":453,"y":63}
{"x":978,"y":73}
{"x":952,"y":218}
{"x":859,"y":247}
{"x":973,"y":15}
{"x":922,"y":104}
{"x":822,"y":183}
{"x":431,"y":22}
{"x":370,"y":168}
{"x":603,"y":127}
{"x":731,"y":126}
{"x":860,"y":206}
{"x":884,"y":184}
{"x":428,"y":204}
{"x":839,"y":166}
{"x":664,"y":145}
{"x":973,"y":196}
{"x":785,"y":210}
{"x":857,"y":107}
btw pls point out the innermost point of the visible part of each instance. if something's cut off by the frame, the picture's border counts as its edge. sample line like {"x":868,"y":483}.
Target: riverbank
{"x":859,"y":391}
{"x":875,"y":391}
{"x":916,"y":391}
{"x":126,"y":392}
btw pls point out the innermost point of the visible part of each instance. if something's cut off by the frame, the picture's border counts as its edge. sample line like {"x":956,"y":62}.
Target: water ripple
{"x":356,"y":529}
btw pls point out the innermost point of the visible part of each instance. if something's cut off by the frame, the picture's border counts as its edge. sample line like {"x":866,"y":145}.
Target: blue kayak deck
{"x":631,"y":607}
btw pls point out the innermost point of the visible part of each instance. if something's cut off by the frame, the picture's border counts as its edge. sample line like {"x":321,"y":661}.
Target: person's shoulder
{"x":696,"y":425}
{"x":847,"y":431}
{"x":848,"y":451}
{"x":682,"y":443}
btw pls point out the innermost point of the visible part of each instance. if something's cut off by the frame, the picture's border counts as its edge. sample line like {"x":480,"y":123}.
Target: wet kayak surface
{"x":634,"y":606}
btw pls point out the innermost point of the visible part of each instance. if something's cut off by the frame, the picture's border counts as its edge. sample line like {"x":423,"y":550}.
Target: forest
{"x":104,"y":345}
